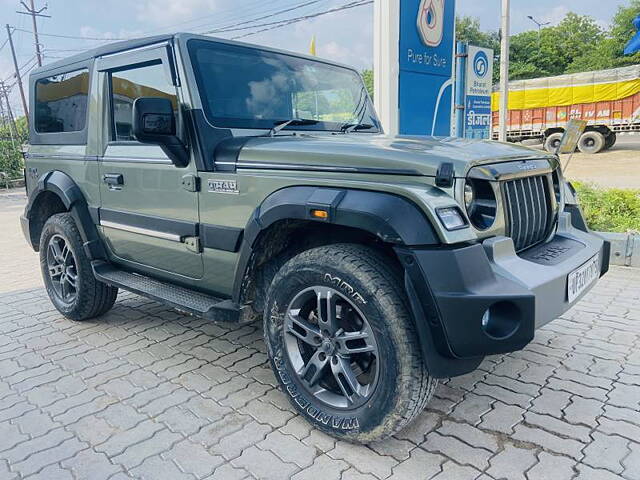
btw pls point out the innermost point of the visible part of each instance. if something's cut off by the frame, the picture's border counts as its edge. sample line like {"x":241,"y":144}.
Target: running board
{"x":180,"y":298}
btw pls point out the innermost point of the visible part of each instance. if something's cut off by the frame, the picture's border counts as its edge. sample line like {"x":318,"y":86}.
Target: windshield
{"x":243,"y":87}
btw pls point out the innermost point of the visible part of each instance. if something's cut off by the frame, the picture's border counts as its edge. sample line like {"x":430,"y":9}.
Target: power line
{"x":72,"y":37}
{"x":280,"y":12}
{"x":284,"y":23}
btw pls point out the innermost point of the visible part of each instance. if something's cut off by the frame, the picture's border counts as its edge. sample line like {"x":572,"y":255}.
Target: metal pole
{"x":18,"y":78}
{"x":504,"y":72}
{"x":461,"y":74}
{"x":33,"y":13}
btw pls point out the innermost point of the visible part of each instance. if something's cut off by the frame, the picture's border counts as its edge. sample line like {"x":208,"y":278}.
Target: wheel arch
{"x":363,"y":216}
{"x":56,"y":192}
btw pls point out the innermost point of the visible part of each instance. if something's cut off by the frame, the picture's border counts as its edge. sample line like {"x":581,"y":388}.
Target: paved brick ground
{"x":146,"y":392}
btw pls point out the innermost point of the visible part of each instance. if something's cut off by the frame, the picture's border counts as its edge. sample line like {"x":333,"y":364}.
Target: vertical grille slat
{"x":528,"y":210}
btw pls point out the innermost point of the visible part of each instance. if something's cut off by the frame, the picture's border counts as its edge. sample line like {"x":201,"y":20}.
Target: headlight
{"x":469,"y":195}
{"x":480,"y":202}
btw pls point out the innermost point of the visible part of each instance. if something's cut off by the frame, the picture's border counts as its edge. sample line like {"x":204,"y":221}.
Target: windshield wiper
{"x":280,"y":124}
{"x":352,"y":127}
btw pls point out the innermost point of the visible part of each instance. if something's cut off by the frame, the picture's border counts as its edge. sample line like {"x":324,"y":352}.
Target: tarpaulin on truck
{"x":572,"y":89}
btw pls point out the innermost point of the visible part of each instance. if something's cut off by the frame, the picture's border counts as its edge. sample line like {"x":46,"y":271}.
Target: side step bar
{"x":180,"y":298}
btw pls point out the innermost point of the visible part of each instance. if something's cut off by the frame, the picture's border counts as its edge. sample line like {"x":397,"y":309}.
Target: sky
{"x":345,"y":36}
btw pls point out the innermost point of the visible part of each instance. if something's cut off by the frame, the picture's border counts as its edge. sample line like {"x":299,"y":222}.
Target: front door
{"x":148,"y":216}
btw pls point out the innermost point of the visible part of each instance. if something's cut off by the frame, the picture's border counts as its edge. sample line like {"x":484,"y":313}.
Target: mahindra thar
{"x":237,"y":182}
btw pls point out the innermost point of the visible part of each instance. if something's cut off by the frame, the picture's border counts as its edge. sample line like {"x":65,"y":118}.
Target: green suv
{"x":237,"y":182}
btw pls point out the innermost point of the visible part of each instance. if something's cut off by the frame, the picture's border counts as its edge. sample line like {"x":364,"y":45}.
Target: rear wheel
{"x":343,"y":345}
{"x":591,"y":142}
{"x":552,"y":142}
{"x":610,"y":141}
{"x":67,"y":272}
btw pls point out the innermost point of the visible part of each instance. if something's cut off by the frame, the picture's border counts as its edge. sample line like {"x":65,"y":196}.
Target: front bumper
{"x":452,"y":289}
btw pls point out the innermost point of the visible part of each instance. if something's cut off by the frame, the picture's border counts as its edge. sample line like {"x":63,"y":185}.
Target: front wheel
{"x":67,"y":272}
{"x":343,"y":345}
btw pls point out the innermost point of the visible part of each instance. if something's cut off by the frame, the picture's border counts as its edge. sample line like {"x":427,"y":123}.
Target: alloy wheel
{"x":331,"y":347}
{"x":62,"y":268}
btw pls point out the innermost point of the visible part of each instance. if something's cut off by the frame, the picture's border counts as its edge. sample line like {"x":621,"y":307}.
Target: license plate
{"x":582,"y":277}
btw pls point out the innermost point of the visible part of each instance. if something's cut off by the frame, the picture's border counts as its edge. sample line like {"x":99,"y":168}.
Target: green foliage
{"x":11,"y":142}
{"x":468,"y":30}
{"x":576,"y":44}
{"x":609,"y":210}
{"x":367,"y":76}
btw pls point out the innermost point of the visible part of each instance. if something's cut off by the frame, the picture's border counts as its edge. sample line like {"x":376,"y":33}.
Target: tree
{"x":468,"y":31}
{"x":609,"y":52}
{"x":11,"y":147}
{"x":367,"y":76}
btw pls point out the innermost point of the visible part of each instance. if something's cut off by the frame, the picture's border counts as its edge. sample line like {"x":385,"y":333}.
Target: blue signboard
{"x":426,"y":66}
{"x":478,"y":83}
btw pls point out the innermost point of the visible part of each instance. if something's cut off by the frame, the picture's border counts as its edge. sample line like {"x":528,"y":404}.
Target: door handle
{"x":113,"y":179}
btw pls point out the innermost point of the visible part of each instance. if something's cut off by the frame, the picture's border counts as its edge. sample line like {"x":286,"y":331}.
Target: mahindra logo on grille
{"x":527,"y":166}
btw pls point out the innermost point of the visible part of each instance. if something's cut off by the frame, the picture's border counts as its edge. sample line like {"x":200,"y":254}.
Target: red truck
{"x":609,"y":100}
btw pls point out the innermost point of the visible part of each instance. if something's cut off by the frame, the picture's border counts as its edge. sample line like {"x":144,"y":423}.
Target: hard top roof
{"x":142,"y":42}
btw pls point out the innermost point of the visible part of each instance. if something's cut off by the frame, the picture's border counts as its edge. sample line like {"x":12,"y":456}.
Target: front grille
{"x":529,"y":209}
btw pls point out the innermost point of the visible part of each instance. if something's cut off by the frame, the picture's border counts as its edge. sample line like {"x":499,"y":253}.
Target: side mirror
{"x":154,"y":122}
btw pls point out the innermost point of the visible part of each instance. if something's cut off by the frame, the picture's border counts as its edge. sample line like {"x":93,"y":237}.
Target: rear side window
{"x":61,"y":102}
{"x":130,"y":83}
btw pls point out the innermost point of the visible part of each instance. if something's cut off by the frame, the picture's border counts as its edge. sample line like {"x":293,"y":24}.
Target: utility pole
{"x":13,"y":130}
{"x":18,"y":77}
{"x":35,"y":13}
{"x":504,"y":72}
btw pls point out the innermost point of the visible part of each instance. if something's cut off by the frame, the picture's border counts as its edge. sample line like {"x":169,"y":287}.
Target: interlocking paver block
{"x":560,"y":468}
{"x":512,"y":463}
{"x":502,"y":418}
{"x":549,"y":441}
{"x":323,"y":467}
{"x":233,"y":444}
{"x":87,"y":391}
{"x":136,"y":453}
{"x":193,"y":458}
{"x":118,"y":443}
{"x":363,"y":459}
{"x":156,"y":468}
{"x":457,"y":450}
{"x":288,"y":449}
{"x":420,"y":464}
{"x":607,"y":452}
{"x":90,"y":465}
{"x":264,"y":465}
{"x":37,"y":461}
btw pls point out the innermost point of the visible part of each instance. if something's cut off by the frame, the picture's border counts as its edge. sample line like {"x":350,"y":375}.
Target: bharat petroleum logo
{"x":431,"y":22}
{"x":480,"y":64}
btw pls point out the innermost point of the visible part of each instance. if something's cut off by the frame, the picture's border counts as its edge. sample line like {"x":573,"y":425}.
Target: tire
{"x":610,"y":141}
{"x":67,"y":272}
{"x":393,"y":385}
{"x":591,"y":142}
{"x":552,"y":142}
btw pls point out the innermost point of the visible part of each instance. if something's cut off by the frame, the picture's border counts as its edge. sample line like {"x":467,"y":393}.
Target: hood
{"x":368,"y":153}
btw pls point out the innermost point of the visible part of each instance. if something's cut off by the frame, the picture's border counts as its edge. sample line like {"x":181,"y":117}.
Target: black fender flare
{"x":71,"y":196}
{"x":392,"y":218}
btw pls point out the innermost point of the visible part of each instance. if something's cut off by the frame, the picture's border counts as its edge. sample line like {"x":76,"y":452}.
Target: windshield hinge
{"x":191,"y":182}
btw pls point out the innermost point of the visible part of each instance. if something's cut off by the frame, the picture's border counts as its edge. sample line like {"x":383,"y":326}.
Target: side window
{"x":61,"y":102}
{"x":128,"y":84}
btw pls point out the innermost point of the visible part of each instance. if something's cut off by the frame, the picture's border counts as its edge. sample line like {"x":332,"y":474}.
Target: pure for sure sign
{"x":478,"y":84}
